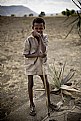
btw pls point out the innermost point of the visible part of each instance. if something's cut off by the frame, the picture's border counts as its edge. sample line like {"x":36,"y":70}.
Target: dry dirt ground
{"x":13,"y":81}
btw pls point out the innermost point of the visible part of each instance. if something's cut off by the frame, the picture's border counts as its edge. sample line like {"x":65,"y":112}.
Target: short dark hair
{"x":38,"y":20}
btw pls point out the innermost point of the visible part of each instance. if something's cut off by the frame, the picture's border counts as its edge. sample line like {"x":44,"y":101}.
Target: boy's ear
{"x":32,"y":27}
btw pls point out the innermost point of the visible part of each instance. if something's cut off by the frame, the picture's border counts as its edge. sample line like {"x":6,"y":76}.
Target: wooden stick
{"x":46,"y":91}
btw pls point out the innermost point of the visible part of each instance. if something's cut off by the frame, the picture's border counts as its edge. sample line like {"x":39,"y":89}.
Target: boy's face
{"x":39,"y":27}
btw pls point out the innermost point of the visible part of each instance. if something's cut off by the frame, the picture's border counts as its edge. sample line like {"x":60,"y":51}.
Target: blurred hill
{"x":16,"y":10}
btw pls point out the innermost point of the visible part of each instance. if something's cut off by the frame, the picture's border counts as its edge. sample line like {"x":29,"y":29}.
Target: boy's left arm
{"x":43,"y":44}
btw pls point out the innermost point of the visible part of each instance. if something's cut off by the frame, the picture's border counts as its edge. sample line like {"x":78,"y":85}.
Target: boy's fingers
{"x":36,"y":34}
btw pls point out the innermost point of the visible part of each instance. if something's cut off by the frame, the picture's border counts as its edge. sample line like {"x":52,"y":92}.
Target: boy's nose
{"x":38,"y":30}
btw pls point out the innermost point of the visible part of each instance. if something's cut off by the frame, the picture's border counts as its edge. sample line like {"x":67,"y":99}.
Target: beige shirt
{"x":34,"y":66}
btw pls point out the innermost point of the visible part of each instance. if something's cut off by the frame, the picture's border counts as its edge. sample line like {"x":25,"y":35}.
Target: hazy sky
{"x":48,"y":6}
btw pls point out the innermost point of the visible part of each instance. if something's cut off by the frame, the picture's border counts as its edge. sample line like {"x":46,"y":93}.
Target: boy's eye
{"x":36,"y":28}
{"x":39,"y":28}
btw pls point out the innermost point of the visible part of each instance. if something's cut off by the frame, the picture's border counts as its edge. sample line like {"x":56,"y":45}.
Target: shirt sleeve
{"x":26,"y":47}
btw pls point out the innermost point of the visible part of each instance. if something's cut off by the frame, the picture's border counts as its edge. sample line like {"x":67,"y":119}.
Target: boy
{"x":35,"y":58}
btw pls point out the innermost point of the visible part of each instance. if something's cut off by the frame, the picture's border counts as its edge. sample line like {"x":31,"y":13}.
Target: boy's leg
{"x":30,"y":91}
{"x":30,"y":88}
{"x":46,"y":85}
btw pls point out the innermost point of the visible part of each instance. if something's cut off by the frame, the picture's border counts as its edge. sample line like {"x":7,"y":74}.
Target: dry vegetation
{"x":13,"y":32}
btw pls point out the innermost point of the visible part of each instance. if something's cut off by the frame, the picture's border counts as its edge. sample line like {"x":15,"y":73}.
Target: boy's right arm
{"x":27,"y":49}
{"x":35,"y":55}
{"x":31,"y":55}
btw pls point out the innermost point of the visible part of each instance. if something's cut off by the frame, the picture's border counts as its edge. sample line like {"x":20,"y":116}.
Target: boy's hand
{"x":36,"y":34}
{"x":42,"y":55}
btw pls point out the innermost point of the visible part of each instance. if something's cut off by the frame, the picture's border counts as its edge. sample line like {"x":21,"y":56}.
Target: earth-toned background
{"x":13,"y":81}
